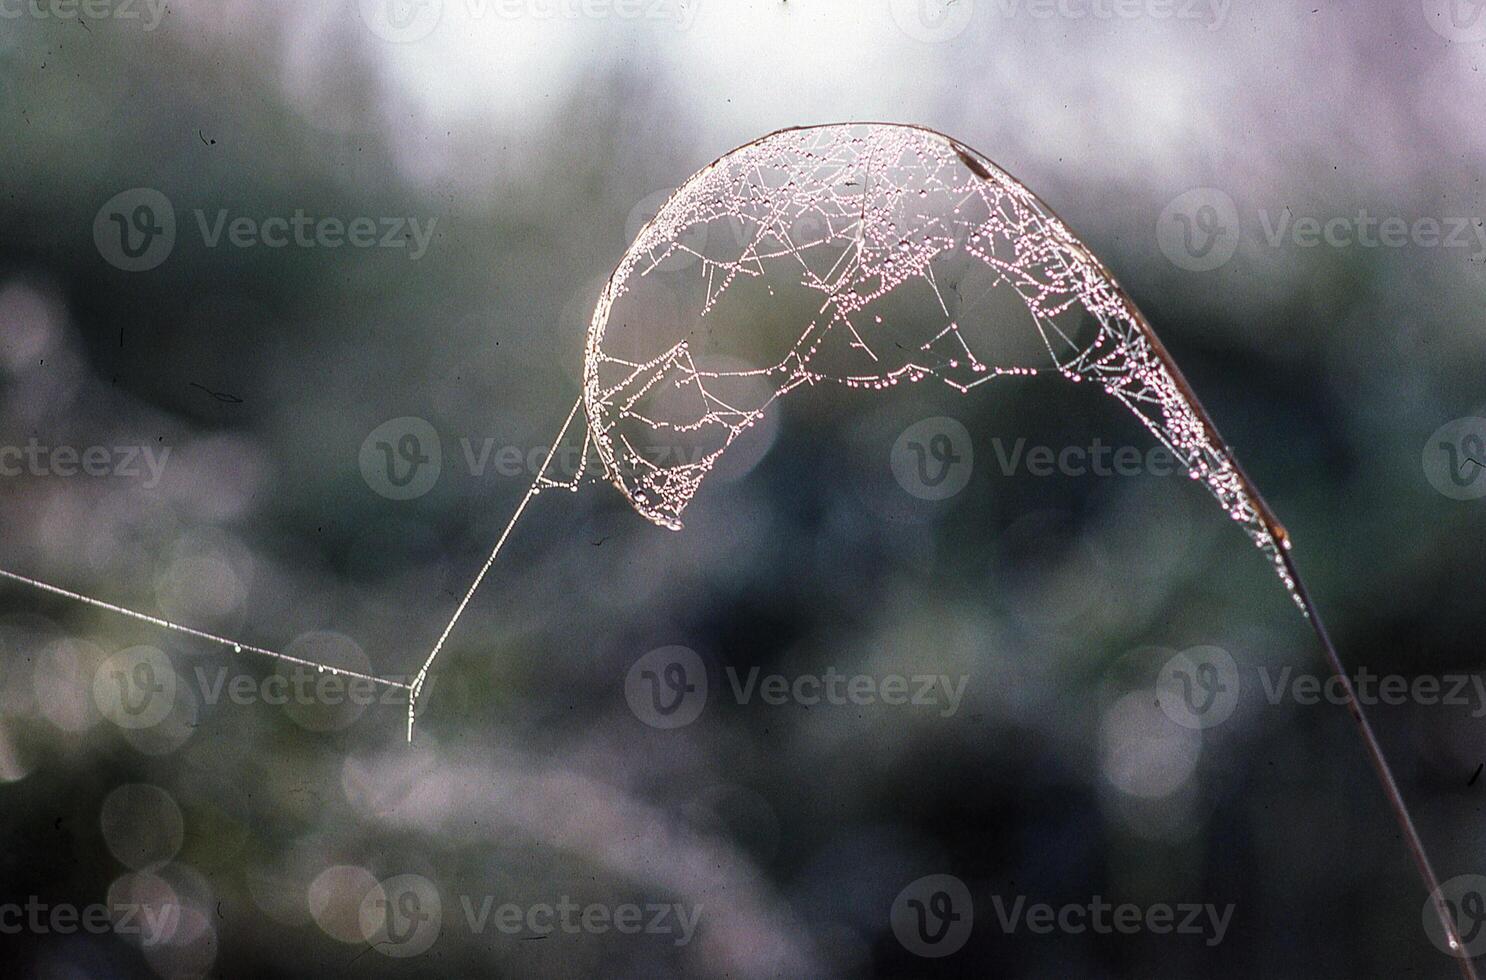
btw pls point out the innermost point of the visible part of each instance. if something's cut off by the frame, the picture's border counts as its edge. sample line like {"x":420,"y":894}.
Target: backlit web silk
{"x":860,"y":256}
{"x":868,"y":255}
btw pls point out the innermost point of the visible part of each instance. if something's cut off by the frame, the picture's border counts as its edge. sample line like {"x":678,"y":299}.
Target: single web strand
{"x":542,"y":482}
{"x":537,"y":485}
{"x":237,"y":646}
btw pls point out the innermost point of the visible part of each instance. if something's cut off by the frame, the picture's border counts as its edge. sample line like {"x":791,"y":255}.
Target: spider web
{"x":856,"y":255}
{"x":892,"y":249}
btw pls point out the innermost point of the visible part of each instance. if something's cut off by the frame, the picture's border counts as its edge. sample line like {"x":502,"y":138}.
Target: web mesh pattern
{"x":856,"y":255}
{"x":868,"y":255}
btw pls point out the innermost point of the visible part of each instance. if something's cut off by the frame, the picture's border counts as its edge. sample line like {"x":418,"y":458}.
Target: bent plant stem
{"x":1385,"y":777}
{"x":1297,"y":586}
{"x":1308,"y":606}
{"x":1364,"y":728}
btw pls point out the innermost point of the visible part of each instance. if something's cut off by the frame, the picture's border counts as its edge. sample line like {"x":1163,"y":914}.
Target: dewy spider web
{"x":833,"y":223}
{"x":862,"y":256}
{"x":891,"y":244}
{"x":847,"y":217}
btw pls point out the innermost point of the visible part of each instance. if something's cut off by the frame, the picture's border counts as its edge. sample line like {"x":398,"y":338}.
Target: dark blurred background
{"x":1234,"y":165}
